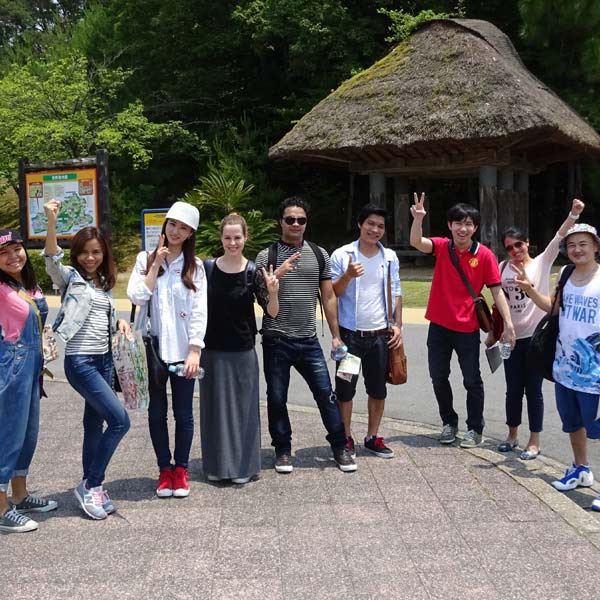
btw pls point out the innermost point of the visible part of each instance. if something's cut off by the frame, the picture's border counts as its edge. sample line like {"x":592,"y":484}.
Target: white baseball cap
{"x":186,"y":213}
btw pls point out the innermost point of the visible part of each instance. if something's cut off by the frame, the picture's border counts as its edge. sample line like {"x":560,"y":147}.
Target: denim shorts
{"x":373,"y":352}
{"x":577,"y":410}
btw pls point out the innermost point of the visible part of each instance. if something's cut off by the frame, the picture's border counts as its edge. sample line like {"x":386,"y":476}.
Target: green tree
{"x":67,"y":107}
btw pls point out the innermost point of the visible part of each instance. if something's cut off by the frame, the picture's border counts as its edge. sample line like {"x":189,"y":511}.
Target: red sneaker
{"x":181,"y":489}
{"x":164,"y":489}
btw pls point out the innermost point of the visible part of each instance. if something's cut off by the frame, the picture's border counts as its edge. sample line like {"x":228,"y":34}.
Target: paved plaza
{"x":434,"y":522}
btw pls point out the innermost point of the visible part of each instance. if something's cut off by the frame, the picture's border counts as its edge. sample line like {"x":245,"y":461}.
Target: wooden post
{"x":401,"y":212}
{"x":488,"y":229}
{"x":506,"y":199}
{"x":522,"y":200}
{"x":377,"y":189}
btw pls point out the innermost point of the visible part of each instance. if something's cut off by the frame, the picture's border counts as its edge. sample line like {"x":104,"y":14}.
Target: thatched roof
{"x":454,"y":95}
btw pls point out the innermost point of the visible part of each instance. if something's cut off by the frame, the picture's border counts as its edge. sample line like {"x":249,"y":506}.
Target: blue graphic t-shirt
{"x":577,"y":359}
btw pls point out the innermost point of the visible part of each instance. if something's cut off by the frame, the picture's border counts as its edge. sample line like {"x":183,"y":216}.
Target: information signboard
{"x":152,"y":221}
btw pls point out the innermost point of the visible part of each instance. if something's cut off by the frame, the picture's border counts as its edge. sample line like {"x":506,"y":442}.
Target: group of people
{"x":201,"y":316}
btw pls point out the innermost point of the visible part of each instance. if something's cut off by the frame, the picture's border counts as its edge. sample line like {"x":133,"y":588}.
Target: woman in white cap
{"x":24,"y":311}
{"x":576,"y":368}
{"x":171,"y":285}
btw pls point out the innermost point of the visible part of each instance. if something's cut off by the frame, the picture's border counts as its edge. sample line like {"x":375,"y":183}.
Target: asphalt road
{"x":415,"y":401}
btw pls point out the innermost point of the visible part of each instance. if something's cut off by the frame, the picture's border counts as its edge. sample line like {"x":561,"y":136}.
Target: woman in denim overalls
{"x":21,"y":361}
{"x":85,"y":322}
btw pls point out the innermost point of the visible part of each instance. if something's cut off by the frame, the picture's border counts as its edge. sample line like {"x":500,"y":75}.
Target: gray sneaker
{"x":448,"y":434}
{"x":107,"y":504}
{"x":472,"y":439}
{"x":91,"y":501}
{"x":35,"y":504}
{"x":14,"y":522}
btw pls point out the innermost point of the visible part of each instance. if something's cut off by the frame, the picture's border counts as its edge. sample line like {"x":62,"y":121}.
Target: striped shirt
{"x":93,"y":336}
{"x":298,"y":291}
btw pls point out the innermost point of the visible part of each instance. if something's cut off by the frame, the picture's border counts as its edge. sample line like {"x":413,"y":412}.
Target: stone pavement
{"x":434,"y":522}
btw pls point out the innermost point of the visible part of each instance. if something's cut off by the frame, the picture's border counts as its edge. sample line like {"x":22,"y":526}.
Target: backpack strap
{"x":319,"y":256}
{"x":564,"y":276}
{"x":209,"y":265}
{"x":250,"y":274}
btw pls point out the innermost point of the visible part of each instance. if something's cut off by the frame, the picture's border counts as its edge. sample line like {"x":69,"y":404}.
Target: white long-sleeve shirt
{"x":178,"y":315}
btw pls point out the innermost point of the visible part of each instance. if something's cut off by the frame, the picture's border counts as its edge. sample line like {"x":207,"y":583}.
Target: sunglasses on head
{"x":515,"y":246}
{"x":292,"y":220}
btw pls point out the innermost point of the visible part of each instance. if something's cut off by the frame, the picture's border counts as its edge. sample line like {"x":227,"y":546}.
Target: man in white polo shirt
{"x":360,"y":278}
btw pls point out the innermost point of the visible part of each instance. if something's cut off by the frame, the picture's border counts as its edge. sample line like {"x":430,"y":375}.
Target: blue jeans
{"x":373,"y":352}
{"x":91,"y":376}
{"x":20,"y":368}
{"x":280,"y":354}
{"x":522,"y":378}
{"x":183,"y":396}
{"x":440,"y":344}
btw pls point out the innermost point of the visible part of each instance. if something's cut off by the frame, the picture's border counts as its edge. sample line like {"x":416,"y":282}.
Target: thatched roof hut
{"x":454,"y":96}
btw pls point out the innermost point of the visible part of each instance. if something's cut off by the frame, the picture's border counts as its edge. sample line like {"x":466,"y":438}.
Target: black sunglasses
{"x":292,"y":220}
{"x":515,"y":246}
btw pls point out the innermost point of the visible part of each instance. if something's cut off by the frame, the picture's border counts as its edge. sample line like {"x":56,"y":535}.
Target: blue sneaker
{"x":575,"y":476}
{"x":596,"y":504}
{"x":91,"y":500}
{"x":107,"y":503}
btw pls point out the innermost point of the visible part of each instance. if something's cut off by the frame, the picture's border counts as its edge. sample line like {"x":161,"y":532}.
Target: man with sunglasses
{"x":360,"y":273}
{"x":453,"y":323}
{"x":290,"y":339}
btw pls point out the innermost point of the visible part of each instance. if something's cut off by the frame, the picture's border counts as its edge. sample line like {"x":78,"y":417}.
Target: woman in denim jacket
{"x":170,"y":286}
{"x":85,"y":322}
{"x":24,"y":311}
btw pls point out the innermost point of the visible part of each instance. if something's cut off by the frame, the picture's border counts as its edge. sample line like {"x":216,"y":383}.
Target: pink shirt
{"x":14,"y":313}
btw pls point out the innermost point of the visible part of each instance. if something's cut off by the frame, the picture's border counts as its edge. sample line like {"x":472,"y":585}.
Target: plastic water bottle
{"x":180,"y":370}
{"x":505,"y":350}
{"x":339,"y":353}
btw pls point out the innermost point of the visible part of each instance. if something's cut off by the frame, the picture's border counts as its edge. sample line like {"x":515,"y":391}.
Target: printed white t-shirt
{"x":577,"y":358}
{"x":524,"y":313}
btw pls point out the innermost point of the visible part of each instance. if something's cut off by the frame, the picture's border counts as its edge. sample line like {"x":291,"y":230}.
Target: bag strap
{"x":389,"y":295}
{"x":454,"y":260}
{"x":564,"y":276}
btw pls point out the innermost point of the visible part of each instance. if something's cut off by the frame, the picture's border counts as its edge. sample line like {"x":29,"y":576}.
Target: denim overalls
{"x":21,"y":364}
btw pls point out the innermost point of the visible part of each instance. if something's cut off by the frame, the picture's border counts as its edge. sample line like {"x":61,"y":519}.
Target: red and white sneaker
{"x":164,"y":489}
{"x":181,"y":489}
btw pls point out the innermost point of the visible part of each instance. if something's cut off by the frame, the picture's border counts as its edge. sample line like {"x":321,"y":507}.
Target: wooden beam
{"x":488,"y":229}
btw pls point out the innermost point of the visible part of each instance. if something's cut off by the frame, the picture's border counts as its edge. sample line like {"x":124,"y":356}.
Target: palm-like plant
{"x":222,"y":191}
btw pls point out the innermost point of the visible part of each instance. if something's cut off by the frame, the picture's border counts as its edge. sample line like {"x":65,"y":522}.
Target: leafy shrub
{"x":39,"y":266}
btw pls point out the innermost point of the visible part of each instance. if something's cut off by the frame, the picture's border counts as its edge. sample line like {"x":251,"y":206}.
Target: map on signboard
{"x":77,"y":195}
{"x":72,"y":216}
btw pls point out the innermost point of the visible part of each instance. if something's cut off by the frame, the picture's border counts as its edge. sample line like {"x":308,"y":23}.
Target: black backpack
{"x":542,"y":347}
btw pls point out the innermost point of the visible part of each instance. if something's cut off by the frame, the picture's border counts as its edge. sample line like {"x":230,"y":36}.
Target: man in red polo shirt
{"x":451,"y":313}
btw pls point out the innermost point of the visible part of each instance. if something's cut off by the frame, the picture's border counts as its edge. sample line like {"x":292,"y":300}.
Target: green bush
{"x":39,"y":267}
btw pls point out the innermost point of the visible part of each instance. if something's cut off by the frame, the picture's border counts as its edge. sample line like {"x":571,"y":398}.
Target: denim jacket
{"x":348,"y":301}
{"x":77,"y":297}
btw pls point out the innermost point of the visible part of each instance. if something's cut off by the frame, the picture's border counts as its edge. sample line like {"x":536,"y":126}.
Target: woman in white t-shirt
{"x":576,"y":368}
{"x":520,"y":378}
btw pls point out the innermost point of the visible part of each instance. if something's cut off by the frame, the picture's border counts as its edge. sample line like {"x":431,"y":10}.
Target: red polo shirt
{"x":450,"y":304}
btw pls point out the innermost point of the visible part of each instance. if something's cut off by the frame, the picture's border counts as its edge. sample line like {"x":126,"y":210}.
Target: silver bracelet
{"x":574,"y":217}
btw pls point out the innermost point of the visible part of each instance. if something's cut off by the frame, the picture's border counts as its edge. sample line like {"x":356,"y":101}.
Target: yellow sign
{"x":152,"y":222}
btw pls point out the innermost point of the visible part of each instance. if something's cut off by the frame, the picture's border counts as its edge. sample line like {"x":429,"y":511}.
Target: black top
{"x":231,"y":325}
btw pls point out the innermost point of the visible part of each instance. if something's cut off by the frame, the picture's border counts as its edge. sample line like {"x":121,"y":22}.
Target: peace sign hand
{"x":162,"y":251}
{"x":271,"y":281}
{"x":521,"y":279}
{"x":417,"y":210}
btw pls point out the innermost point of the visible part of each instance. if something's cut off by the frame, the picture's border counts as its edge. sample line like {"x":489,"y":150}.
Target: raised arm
{"x":51,"y":209}
{"x":417,"y":210}
{"x":576,"y":209}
